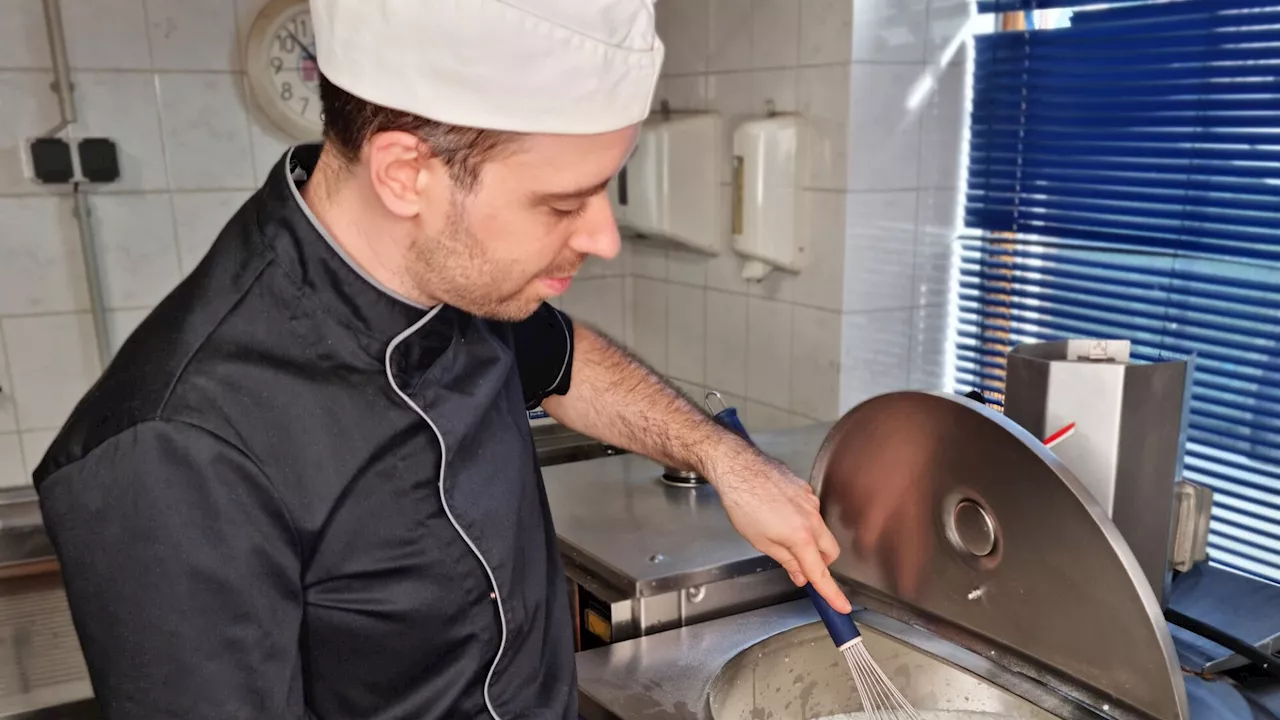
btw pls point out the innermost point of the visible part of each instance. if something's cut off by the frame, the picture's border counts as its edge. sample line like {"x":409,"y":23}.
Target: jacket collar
{"x":311,"y":257}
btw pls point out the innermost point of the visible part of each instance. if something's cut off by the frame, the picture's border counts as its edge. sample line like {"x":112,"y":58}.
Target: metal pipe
{"x":67,"y":108}
{"x":61,"y":66}
{"x":93,"y":276}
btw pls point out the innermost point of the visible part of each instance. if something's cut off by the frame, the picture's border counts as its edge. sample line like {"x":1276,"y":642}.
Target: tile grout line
{"x":251,"y":121}
{"x":847,"y":191}
{"x":706,"y":336}
{"x":794,"y":303}
{"x":146,"y":29}
{"x":746,"y":380}
{"x":17,"y":419}
{"x":666,"y":329}
{"x":164,"y":145}
{"x":797,"y":66}
{"x":791,"y":361}
{"x":164,"y":150}
{"x":102,"y":192}
{"x":915,"y":280}
{"x":64,"y":313}
{"x":799,"y":47}
{"x":122,"y":70}
{"x":915,"y":246}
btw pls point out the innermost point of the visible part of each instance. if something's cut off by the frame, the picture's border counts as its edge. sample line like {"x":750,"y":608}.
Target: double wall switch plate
{"x":55,"y":161}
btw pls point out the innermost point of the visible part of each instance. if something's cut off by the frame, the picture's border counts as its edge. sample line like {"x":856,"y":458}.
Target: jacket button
{"x":493,"y":596}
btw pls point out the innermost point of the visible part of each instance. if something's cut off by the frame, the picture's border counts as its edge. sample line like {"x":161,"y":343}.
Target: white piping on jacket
{"x":502,"y":618}
{"x":568,"y":347}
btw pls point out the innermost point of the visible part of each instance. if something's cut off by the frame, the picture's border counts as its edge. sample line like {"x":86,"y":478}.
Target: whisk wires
{"x":881,"y":700}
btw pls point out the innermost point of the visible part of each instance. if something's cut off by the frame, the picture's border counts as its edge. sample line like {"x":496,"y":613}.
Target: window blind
{"x":1124,"y":182}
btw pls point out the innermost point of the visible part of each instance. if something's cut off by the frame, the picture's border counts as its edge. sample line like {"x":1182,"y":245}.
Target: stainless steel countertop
{"x":668,"y":676}
{"x":22,"y":535}
{"x":619,"y":521}
{"x":557,"y":444}
{"x":41,"y":667}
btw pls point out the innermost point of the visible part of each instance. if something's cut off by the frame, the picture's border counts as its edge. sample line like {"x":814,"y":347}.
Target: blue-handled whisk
{"x":881,"y":700}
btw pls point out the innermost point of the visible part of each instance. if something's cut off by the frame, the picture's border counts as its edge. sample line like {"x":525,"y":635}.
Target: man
{"x":306,"y":487}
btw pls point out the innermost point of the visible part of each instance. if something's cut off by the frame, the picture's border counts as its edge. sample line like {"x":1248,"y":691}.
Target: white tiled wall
{"x":869,"y":314}
{"x":163,"y":79}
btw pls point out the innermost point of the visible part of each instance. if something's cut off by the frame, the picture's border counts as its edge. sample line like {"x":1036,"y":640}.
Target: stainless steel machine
{"x":994,"y":585}
{"x":1130,"y":424}
{"x":643,"y":555}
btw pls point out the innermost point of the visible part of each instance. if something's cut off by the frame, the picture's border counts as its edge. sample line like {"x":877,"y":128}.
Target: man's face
{"x":519,"y":236}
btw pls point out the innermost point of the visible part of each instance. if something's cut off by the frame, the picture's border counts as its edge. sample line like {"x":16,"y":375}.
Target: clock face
{"x":283,"y":73}
{"x":292,"y":61}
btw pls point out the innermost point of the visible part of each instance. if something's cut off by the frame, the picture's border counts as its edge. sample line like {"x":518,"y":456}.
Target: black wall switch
{"x":99,"y":161}
{"x":51,"y":160}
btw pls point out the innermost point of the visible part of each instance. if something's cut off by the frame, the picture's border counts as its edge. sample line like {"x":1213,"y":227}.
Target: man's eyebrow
{"x":579,"y":194}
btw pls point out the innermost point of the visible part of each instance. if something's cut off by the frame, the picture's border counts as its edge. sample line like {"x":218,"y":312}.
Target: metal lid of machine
{"x":953,"y":518}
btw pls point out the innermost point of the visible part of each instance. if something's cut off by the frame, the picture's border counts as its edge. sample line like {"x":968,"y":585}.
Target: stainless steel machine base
{"x":799,"y":674}
{"x":716,"y":670}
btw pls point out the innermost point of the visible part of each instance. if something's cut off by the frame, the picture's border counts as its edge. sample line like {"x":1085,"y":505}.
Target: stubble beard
{"x":453,"y":268}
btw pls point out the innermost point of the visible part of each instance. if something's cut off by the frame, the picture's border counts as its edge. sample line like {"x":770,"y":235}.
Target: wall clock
{"x":280,"y":59}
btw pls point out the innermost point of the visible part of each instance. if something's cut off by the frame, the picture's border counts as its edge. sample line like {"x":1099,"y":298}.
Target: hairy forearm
{"x":617,"y":399}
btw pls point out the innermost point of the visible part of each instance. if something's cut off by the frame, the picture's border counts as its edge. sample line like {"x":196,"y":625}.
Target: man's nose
{"x":597,"y":232}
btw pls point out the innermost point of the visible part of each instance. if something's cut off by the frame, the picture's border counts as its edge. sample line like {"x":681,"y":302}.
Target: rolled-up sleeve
{"x":544,"y":354}
{"x":182,"y":572}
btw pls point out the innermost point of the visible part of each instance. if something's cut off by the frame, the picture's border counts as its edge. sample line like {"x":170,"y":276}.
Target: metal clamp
{"x":707,"y":400}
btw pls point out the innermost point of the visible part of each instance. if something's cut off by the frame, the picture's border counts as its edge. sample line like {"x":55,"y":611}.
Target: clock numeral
{"x":287,"y":45}
{"x":300,"y":28}
{"x":305,"y":102}
{"x":322,"y":116}
{"x":277,"y":64}
{"x":286,"y":92}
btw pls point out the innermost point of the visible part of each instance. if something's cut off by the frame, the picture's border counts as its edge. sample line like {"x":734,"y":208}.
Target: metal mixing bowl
{"x":799,"y":674}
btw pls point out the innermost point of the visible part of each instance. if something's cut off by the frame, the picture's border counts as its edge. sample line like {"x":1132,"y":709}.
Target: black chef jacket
{"x":295,"y":495}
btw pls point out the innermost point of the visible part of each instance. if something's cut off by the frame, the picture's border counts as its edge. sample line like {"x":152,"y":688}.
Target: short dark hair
{"x":349,"y":122}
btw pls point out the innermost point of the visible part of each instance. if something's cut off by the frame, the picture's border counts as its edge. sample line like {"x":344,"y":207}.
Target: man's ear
{"x":401,"y":170}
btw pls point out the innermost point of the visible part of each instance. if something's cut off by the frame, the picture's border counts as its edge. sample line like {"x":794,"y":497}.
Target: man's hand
{"x":779,"y":514}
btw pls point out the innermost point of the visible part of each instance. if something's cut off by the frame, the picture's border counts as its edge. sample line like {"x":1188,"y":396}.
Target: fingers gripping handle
{"x":839,"y":625}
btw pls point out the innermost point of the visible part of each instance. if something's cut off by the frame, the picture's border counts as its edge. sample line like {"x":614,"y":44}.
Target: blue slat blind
{"x":1124,"y":181}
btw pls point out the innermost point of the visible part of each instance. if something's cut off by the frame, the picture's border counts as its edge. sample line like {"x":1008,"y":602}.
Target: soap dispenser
{"x":668,"y":192}
{"x":769,"y":226}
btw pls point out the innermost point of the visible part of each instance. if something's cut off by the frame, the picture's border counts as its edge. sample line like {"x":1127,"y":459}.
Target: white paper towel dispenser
{"x":770,"y":228}
{"x":669,"y":191}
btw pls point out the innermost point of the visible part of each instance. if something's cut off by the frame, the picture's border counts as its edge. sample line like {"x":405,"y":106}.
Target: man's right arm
{"x":183,"y":575}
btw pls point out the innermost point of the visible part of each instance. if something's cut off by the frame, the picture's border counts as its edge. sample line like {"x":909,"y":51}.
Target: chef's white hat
{"x":535,"y":66}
